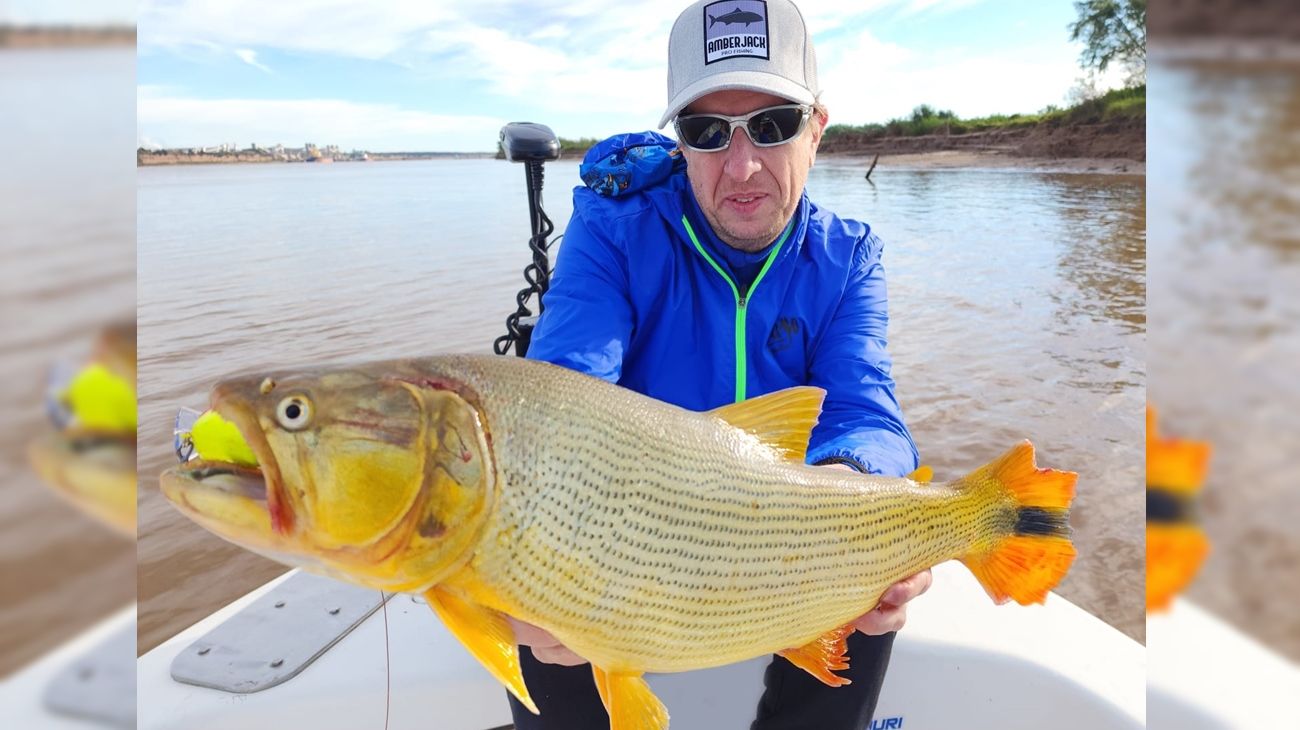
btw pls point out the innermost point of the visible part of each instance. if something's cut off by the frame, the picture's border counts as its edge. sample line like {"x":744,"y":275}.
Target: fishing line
{"x":388,"y":667}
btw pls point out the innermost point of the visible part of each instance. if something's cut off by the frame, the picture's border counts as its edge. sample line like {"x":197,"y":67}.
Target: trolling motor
{"x":533,"y":145}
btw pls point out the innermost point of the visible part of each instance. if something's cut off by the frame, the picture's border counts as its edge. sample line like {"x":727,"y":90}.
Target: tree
{"x":1112,"y":31}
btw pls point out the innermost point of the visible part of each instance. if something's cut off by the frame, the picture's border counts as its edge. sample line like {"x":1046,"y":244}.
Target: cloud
{"x":338,"y":27}
{"x":170,"y":120}
{"x":557,"y":57}
{"x":916,"y":7}
{"x":249,"y":56}
{"x":587,"y":67}
{"x":617,"y":71}
{"x":869,"y":80}
{"x":828,"y":15}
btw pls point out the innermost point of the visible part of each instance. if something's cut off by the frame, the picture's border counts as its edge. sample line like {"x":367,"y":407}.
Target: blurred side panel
{"x":67,"y":301}
{"x":1224,"y":343}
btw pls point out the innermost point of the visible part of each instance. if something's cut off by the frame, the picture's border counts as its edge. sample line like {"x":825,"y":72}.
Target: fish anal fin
{"x":486,"y":634}
{"x":629,"y":701}
{"x":923,"y":474}
{"x":782,"y":420}
{"x":823,"y":656}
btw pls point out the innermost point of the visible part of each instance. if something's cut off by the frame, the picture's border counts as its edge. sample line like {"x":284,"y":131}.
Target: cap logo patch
{"x":735,"y":29}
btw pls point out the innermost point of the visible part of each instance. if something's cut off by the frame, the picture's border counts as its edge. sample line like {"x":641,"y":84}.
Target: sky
{"x":50,"y":12}
{"x":423,"y":75}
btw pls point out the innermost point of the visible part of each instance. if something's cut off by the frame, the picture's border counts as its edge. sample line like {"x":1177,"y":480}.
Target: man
{"x":723,"y":283}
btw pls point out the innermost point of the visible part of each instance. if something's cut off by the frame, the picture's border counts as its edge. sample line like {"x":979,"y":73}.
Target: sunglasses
{"x":768,"y":127}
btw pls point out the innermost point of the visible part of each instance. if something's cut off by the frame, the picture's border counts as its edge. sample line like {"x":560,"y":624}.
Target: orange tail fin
{"x":1176,"y":544}
{"x":1027,"y":563}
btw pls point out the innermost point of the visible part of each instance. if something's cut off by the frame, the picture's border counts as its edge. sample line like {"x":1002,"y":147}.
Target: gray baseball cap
{"x":756,"y":45}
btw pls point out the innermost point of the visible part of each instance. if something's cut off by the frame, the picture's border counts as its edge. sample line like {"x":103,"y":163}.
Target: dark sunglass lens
{"x":775,"y":126}
{"x":706,"y":133}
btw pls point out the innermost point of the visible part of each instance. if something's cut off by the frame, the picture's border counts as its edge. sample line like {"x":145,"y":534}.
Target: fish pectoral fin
{"x":782,"y":420}
{"x":823,"y":656}
{"x":628,"y":700}
{"x":923,"y":474}
{"x":486,"y":634}
{"x":602,"y":685}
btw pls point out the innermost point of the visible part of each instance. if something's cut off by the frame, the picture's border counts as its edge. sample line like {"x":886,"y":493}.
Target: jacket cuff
{"x":846,"y":460}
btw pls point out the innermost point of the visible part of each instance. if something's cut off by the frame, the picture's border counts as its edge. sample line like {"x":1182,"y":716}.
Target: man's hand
{"x":891,"y":613}
{"x":546,"y":648}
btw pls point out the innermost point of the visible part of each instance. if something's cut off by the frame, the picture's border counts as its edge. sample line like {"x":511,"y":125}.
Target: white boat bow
{"x":960,"y":662}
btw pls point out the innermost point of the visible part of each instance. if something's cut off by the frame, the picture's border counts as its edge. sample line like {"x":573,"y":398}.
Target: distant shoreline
{"x":1104,"y":134}
{"x":147,"y":158}
{"x":928,"y":160}
{"x":65,"y":36}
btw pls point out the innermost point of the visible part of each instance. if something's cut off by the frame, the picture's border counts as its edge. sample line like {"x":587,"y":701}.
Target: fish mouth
{"x":199,"y":484}
{"x":231,"y":479}
{"x":105,"y":452}
{"x":92,"y":443}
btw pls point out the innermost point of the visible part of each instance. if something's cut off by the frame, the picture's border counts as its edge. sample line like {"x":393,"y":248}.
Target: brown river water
{"x":1016,"y":299}
{"x":67,"y":238}
{"x":1224,"y":300}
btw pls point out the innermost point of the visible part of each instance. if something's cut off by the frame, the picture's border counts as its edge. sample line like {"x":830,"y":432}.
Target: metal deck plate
{"x":277,"y":636}
{"x":99,"y":686}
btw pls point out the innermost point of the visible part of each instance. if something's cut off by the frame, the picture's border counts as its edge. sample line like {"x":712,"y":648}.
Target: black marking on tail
{"x":1167,"y":507}
{"x":1041,"y":522}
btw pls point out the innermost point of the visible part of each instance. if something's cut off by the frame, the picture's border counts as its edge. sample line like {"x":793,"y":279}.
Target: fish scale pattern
{"x":650,"y":538}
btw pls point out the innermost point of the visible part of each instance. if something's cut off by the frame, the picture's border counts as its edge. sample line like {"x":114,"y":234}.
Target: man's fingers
{"x":557,"y":655}
{"x":545,"y":647}
{"x":882,"y":620}
{"x":908,"y":588}
{"x":529,"y":635}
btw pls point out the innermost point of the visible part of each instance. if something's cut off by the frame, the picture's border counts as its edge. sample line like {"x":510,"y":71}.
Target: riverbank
{"x":1107,"y":132}
{"x":1124,"y":139}
{"x":967,"y":159}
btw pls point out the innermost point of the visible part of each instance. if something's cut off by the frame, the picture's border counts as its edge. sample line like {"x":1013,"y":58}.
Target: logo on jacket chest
{"x":784,"y":334}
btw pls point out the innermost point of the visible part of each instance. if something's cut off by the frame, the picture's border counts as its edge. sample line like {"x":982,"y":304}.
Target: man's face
{"x":749,"y":193}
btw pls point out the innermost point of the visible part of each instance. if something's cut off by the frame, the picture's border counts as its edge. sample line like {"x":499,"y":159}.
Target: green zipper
{"x":741,"y":301}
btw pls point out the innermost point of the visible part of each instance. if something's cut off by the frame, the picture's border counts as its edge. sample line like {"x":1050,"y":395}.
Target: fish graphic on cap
{"x":736,"y":16}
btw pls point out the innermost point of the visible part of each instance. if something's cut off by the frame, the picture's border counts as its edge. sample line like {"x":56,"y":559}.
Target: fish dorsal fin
{"x":922,"y":475}
{"x":782,"y":420}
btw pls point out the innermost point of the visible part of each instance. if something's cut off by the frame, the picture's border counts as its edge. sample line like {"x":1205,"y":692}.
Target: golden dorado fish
{"x":645,"y":537}
{"x":88,"y":458}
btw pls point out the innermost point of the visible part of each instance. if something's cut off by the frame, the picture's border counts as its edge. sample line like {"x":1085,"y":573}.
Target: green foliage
{"x":1127,"y":103}
{"x":578,"y":146}
{"x":1113,"y":105}
{"x":1112,"y":31}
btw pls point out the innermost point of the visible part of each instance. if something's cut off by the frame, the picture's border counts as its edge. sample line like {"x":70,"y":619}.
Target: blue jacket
{"x":637,"y":299}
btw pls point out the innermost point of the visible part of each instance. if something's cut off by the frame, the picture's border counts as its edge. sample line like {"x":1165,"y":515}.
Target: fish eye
{"x":294,"y":412}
